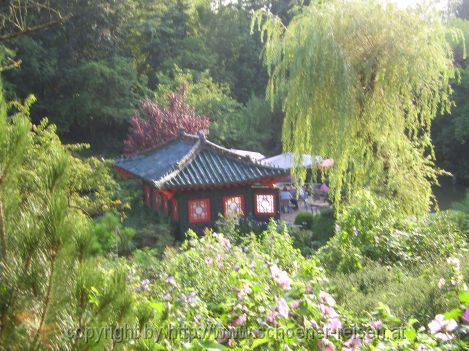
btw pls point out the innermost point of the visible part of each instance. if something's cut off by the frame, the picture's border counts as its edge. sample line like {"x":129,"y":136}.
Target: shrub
{"x":421,"y":292}
{"x":111,"y":236}
{"x":305,"y":219}
{"x":372,"y":228}
{"x":316,"y":230}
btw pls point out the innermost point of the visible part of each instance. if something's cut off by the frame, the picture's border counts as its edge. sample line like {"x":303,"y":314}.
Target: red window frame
{"x":274,"y":203}
{"x":174,"y":210}
{"x":146,"y":194}
{"x":192,"y":219}
{"x":225,"y":208}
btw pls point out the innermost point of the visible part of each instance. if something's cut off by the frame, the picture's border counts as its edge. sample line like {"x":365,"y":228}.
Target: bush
{"x":421,"y":292}
{"x":112,"y":236}
{"x":316,"y":230}
{"x":371,"y":228}
{"x":305,"y":219}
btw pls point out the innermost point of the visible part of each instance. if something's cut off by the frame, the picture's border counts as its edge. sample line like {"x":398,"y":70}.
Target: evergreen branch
{"x":46,"y":302}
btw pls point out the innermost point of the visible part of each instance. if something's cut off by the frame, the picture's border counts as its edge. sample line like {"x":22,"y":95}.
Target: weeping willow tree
{"x":361,"y":83}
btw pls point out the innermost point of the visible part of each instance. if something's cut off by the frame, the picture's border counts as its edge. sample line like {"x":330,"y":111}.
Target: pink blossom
{"x":441,"y":328}
{"x":376,"y":324}
{"x":465,"y":315}
{"x":281,"y":277}
{"x":308,"y":289}
{"x":224,"y":242}
{"x":246,"y":289}
{"x":271,"y":317}
{"x":327,"y":311}
{"x":208,"y":260}
{"x":326,"y":345}
{"x":282,"y":308}
{"x":334,"y":324}
{"x":444,"y":336}
{"x":352,"y":344}
{"x":326,"y":299}
{"x":454,"y":262}
{"x":241,"y":320}
{"x":295,"y":304}
{"x":231,"y":343}
{"x":171,"y":281}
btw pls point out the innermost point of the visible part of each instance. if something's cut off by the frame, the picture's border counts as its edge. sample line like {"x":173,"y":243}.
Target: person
{"x":304,"y":196}
{"x":285,"y":198}
{"x":294,"y":200}
{"x":324,"y":190}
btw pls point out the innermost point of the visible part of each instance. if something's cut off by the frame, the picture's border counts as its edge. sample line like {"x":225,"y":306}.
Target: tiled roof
{"x":191,"y":161}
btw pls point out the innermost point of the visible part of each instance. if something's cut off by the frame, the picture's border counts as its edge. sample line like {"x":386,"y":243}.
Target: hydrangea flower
{"x":352,"y":344}
{"x":334,"y":325}
{"x":189,"y":298}
{"x":465,"y":315}
{"x":282,"y":308}
{"x":454,"y":262}
{"x":295,"y":304}
{"x":326,"y":299}
{"x":241,"y":320}
{"x":376,"y":324}
{"x":144,"y":286}
{"x":271,"y":317}
{"x":327,"y":311}
{"x":281,"y":277}
{"x":224,"y":242}
{"x":171,"y":281}
{"x":441,"y":328}
{"x":246,"y":289}
{"x":326,"y":345}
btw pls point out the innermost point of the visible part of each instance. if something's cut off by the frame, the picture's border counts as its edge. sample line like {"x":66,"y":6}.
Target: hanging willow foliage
{"x":361,"y":83}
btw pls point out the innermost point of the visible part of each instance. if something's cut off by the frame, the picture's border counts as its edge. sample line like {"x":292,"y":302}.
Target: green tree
{"x":49,"y":282}
{"x":361,"y":82}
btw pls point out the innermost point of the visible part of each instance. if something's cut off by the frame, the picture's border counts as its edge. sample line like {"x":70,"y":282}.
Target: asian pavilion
{"x":193,"y":180}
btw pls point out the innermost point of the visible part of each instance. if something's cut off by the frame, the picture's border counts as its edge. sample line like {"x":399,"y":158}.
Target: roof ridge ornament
{"x":202,"y":136}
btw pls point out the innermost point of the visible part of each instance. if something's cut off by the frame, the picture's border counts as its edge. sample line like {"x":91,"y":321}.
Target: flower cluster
{"x":281,"y":277}
{"x":442,"y":328}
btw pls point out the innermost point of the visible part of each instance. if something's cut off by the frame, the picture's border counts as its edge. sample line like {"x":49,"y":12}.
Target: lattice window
{"x":234,"y":205}
{"x":199,"y":210}
{"x":265,"y":204}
